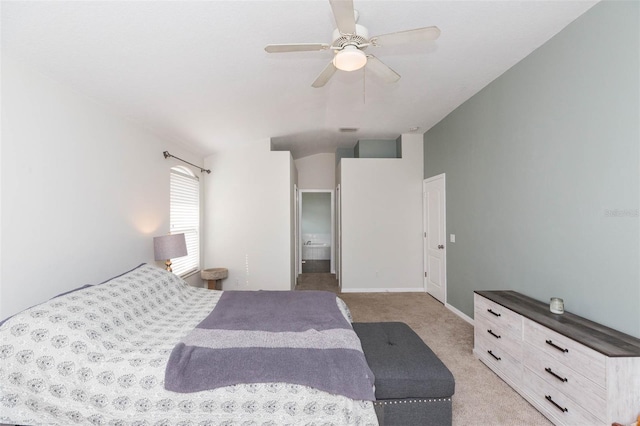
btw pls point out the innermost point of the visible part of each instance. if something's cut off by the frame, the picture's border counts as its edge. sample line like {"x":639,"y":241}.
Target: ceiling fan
{"x":349,"y":42}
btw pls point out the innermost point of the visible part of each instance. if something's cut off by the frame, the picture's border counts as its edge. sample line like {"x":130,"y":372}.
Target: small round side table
{"x":214,"y":277}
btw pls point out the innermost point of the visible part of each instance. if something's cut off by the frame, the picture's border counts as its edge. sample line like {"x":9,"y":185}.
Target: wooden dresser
{"x":575,"y":371}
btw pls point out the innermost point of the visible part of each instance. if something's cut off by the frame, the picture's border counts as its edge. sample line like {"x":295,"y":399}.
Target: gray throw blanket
{"x":298,"y":337}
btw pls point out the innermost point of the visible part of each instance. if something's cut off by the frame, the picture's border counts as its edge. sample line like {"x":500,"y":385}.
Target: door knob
{"x":440,"y":246}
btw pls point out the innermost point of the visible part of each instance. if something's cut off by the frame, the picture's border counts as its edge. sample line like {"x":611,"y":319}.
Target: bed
{"x":98,"y":356}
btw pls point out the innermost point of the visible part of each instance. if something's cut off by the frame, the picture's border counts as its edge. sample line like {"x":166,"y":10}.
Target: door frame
{"x":299,"y":230}
{"x":424,"y":231}
{"x":296,"y":230}
{"x":338,"y":235}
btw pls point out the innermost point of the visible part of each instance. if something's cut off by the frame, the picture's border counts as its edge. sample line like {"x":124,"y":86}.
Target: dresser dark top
{"x":598,"y":337}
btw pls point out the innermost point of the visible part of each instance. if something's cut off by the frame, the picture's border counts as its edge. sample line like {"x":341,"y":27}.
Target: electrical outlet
{"x":452,"y":238}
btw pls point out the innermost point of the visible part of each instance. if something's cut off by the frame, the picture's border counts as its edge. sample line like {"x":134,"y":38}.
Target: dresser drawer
{"x":579,"y":358}
{"x":499,"y":360}
{"x":497,"y":337}
{"x":506,"y":319}
{"x":554,"y":404}
{"x":577,"y":387}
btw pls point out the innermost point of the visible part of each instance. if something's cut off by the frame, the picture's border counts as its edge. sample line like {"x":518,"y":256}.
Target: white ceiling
{"x":196,"y":72}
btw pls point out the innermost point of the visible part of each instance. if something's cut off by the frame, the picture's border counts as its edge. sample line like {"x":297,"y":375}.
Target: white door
{"x":435,"y":252}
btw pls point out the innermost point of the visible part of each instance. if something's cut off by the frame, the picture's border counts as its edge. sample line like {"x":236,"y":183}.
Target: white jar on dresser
{"x":575,"y":371}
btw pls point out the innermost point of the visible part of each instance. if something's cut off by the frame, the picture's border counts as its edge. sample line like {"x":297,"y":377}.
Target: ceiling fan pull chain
{"x":364,"y":85}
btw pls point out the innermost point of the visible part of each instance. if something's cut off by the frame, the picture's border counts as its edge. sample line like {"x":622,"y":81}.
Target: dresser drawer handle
{"x":562,"y":379}
{"x":493,"y":334}
{"x":563,"y":409}
{"x":549,"y":342}
{"x":496,"y":357}
{"x":494,"y":313}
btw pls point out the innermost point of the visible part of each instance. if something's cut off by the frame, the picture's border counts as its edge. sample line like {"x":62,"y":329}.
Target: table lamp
{"x":169,"y":247}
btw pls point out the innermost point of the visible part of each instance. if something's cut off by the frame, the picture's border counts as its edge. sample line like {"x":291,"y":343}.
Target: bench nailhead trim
{"x":410,"y":401}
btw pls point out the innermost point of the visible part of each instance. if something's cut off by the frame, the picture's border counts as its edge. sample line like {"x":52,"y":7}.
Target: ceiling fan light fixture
{"x":350,"y":58}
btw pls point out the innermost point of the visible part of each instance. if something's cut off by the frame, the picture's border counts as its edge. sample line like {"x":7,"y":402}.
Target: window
{"x":185,"y":218}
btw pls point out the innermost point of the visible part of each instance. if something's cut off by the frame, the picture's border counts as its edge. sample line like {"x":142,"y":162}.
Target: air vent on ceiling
{"x":348,"y":129}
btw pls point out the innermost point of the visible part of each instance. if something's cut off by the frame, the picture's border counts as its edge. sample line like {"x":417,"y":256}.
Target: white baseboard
{"x":460,"y":313}
{"x":383,"y":290}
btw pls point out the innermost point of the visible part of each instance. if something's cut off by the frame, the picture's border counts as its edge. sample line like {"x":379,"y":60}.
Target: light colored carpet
{"x":481,"y":397}
{"x":318,"y":281}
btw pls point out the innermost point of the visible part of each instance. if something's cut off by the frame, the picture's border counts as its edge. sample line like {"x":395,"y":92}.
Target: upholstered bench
{"x":413,"y":387}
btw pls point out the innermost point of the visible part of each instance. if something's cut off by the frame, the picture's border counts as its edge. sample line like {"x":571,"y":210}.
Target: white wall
{"x":83,"y":190}
{"x":2,"y":315}
{"x":382,"y":220}
{"x":317,"y":171}
{"x":249,"y":217}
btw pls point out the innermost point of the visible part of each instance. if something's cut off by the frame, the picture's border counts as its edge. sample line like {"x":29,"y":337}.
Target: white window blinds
{"x":185,"y":218}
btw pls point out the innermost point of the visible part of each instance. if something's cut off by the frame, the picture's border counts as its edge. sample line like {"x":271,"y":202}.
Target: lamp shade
{"x":169,"y":246}
{"x":350,"y":58}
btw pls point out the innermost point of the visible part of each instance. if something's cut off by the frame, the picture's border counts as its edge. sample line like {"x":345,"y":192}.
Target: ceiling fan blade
{"x":381,"y":69}
{"x":409,"y":36}
{"x":299,"y":47}
{"x":345,"y":16}
{"x":325,"y":75}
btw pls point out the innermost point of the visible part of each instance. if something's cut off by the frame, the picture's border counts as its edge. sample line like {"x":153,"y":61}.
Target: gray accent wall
{"x":542,"y":173}
{"x":377,"y":148}
{"x":344,"y":153}
{"x":316,"y":213}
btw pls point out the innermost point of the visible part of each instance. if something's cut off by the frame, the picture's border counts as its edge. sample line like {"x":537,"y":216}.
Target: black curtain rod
{"x":167,"y":155}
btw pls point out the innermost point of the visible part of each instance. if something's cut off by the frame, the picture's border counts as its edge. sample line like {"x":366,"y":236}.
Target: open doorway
{"x":316,"y":235}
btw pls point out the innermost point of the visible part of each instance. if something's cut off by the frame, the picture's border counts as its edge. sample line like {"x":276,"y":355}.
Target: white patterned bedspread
{"x":97,"y":356}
